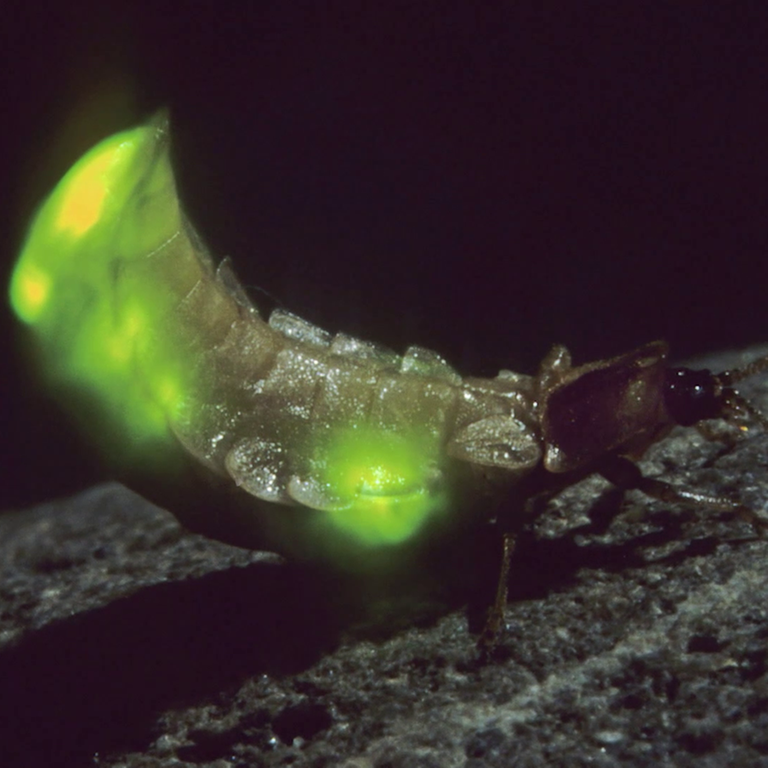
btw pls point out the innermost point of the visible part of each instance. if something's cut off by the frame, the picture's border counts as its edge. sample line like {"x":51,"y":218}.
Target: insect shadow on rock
{"x":320,"y":445}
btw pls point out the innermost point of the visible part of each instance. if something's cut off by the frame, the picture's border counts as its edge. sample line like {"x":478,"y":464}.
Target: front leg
{"x":626,"y":475}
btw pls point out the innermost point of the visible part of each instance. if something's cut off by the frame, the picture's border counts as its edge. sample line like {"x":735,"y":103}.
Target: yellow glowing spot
{"x":85,"y":193}
{"x":30,"y":292}
{"x":383,"y":481}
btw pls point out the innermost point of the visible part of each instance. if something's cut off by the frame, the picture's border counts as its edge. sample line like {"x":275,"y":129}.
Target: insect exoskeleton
{"x":127,"y":306}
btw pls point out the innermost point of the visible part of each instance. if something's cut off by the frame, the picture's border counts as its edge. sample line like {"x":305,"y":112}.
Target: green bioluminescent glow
{"x":384,"y":478}
{"x":102,"y":280}
{"x":78,"y":281}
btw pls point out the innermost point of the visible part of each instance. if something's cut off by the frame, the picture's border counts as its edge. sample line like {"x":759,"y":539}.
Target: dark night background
{"x":483,"y":181}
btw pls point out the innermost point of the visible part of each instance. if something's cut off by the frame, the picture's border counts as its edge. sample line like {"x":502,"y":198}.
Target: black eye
{"x":691,"y":396}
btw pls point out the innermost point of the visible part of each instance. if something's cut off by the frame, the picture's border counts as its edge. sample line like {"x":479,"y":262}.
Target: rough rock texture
{"x":125,"y":641}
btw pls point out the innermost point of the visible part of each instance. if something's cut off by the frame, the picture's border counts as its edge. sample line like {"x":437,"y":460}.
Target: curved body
{"x":128,"y":307}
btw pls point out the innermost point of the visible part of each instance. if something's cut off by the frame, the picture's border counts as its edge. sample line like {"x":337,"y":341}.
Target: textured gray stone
{"x":125,"y":641}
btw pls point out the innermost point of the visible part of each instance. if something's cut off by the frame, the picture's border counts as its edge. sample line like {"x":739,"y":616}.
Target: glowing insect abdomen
{"x":96,"y":279}
{"x":126,"y":304}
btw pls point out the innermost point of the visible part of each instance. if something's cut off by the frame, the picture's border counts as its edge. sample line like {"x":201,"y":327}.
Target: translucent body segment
{"x":497,"y":441}
{"x":231,"y":371}
{"x":225,"y":275}
{"x":348,"y":388}
{"x":85,"y":283}
{"x":294,"y":327}
{"x":401,"y":401}
{"x":258,"y":466}
{"x":349,"y":346}
{"x":425,"y":362}
{"x":126,"y":304}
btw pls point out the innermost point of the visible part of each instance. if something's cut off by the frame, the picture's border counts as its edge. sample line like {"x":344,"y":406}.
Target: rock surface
{"x":126,"y":641}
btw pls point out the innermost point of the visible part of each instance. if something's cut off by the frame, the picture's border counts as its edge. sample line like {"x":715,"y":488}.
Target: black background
{"x":482,"y":180}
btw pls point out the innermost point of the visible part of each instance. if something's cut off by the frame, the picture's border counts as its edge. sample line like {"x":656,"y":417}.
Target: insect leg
{"x":626,"y":475}
{"x":495,"y":617}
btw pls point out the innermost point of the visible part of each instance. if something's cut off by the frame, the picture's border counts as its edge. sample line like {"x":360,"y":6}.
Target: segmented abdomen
{"x":288,"y":398}
{"x":127,"y":304}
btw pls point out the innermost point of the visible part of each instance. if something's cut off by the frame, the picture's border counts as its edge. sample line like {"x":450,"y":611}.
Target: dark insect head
{"x":693,"y":395}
